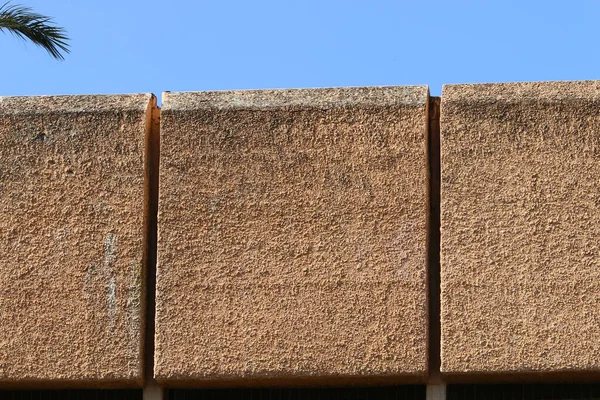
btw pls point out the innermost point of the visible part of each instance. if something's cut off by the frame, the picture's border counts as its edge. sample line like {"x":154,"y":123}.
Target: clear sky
{"x":131,"y":46}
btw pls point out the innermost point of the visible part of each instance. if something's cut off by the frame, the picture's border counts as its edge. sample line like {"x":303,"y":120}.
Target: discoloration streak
{"x":110,"y":256}
{"x":112,"y":298}
{"x":133,"y":304}
{"x":110,"y":245}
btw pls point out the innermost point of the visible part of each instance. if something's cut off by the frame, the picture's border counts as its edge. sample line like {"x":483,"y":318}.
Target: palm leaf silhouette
{"x":39,"y":29}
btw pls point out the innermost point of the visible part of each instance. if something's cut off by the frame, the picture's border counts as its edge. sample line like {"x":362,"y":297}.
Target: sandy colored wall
{"x":292,"y":237}
{"x":72,"y":241}
{"x":298,"y":238}
{"x":520,"y":230}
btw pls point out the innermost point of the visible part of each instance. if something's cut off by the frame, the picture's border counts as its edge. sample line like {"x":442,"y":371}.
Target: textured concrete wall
{"x":292,"y":236}
{"x":72,"y":245}
{"x":520,"y":229}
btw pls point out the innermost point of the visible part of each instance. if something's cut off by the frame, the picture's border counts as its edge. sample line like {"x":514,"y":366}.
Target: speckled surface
{"x":292,"y":236}
{"x":520,"y":228}
{"x":72,"y":240}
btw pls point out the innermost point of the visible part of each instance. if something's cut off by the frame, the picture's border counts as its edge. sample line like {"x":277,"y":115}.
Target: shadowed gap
{"x":152,"y":175}
{"x":433,"y":239}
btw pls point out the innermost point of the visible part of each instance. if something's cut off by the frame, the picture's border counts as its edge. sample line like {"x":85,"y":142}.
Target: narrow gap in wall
{"x":402,"y":392}
{"x":71,"y":394}
{"x":525,"y":391}
{"x":152,"y":174}
{"x":433,"y":239}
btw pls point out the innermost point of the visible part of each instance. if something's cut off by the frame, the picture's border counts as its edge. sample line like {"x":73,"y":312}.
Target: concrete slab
{"x":72,"y":244}
{"x":292,"y":237}
{"x":520,"y":230}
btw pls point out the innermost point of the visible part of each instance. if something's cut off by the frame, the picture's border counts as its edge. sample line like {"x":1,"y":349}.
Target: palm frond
{"x":25,"y":24}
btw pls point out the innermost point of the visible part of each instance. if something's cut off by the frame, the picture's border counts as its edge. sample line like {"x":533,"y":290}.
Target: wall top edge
{"x":513,"y":92}
{"x":66,"y":104}
{"x":374,"y":96}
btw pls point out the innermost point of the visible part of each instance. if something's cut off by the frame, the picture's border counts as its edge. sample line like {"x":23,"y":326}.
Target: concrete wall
{"x":292,"y":236}
{"x":72,"y":239}
{"x":520,"y":230}
{"x":298,"y":238}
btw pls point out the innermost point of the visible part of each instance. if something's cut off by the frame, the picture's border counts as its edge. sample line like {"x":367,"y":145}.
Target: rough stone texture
{"x":72,"y":246}
{"x":520,"y":228}
{"x":292,"y":236}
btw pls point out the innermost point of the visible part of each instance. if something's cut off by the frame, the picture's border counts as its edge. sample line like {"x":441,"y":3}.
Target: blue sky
{"x":132,"y":46}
